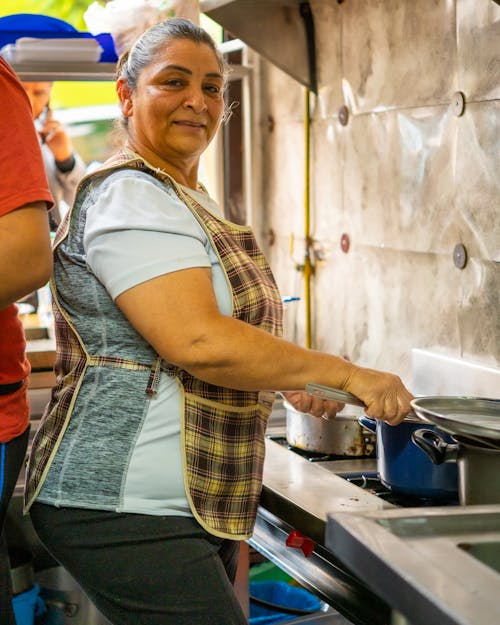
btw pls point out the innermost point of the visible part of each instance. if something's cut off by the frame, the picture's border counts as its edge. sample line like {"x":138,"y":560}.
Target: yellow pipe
{"x":308,"y":267}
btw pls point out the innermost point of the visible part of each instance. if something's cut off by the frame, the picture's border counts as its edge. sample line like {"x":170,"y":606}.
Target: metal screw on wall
{"x":459,"y":256}
{"x":343,"y":115}
{"x":458,"y":103}
{"x":345,"y":242}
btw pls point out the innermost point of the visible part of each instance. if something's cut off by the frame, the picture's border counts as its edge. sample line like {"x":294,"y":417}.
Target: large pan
{"x":476,"y":418}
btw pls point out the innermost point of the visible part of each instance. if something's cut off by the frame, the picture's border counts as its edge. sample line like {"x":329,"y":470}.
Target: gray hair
{"x":146,"y":47}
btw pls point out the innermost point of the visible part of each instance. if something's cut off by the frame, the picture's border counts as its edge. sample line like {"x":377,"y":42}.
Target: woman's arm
{"x":177,"y":314}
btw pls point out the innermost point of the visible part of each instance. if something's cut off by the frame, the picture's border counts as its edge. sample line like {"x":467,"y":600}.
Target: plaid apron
{"x":222,"y":429}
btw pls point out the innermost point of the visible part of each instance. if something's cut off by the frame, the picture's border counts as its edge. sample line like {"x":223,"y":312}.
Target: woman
{"x":147,"y":468}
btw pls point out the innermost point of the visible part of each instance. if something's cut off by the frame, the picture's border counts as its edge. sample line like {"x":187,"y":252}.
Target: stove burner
{"x":370,"y":481}
{"x":367,"y":481}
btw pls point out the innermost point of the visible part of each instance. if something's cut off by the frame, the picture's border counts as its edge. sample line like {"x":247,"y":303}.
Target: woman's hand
{"x":384,"y":394}
{"x":315,"y":406}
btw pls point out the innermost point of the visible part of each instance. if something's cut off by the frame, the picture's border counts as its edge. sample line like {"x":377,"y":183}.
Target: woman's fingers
{"x":331,"y":408}
{"x":315,"y":406}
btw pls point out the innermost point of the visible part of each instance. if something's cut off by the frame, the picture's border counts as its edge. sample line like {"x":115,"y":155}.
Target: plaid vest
{"x":222,"y":429}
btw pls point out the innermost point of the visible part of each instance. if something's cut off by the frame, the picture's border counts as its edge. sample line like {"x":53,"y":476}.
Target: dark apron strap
{"x":7,"y":389}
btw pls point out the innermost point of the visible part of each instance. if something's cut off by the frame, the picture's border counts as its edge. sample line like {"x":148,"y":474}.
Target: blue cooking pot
{"x":405,"y":468}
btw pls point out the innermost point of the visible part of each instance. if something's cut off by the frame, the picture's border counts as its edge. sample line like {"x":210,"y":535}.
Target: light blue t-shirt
{"x":127,"y":243}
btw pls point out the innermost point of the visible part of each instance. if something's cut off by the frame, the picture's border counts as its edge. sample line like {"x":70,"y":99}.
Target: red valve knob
{"x":296,"y":540}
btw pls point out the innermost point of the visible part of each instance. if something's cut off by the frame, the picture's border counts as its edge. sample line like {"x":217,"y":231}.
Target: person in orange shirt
{"x":25,"y":265}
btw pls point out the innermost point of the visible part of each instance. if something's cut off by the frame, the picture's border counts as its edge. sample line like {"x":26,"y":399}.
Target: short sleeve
{"x":23,"y":174}
{"x":136,"y":231}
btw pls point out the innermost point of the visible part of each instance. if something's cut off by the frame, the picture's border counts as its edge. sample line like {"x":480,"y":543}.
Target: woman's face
{"x":177,"y":105}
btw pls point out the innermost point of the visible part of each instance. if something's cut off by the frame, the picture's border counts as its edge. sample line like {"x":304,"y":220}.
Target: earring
{"x":228,"y":111}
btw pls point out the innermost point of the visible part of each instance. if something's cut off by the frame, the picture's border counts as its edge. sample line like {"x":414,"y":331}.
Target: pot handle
{"x":434,"y":445}
{"x":368,"y":423}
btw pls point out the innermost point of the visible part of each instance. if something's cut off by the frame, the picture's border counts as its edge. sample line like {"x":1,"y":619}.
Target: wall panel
{"x":408,"y":178}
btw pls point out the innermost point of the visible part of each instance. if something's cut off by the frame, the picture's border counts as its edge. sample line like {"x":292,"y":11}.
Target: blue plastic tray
{"x":44,"y":27}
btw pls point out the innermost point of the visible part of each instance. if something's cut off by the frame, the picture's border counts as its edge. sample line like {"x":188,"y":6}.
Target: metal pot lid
{"x":466,"y":416}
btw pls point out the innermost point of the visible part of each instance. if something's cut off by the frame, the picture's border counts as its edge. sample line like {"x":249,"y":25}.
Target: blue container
{"x":35,"y":22}
{"x":27,"y":605}
{"x":12,"y":27}
{"x":279,"y":593}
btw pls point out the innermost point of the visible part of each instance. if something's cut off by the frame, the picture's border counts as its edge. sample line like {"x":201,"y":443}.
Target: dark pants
{"x":11,"y":460}
{"x":143,"y":569}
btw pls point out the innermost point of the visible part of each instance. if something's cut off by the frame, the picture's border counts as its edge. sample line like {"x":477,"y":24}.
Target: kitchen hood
{"x":282,"y":31}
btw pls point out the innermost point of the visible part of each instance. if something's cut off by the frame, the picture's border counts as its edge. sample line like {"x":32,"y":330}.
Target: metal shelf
{"x":282,"y":31}
{"x":48,"y":70}
{"x":53,"y":70}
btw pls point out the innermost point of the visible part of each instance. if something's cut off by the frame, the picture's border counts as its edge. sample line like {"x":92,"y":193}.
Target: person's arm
{"x":68,"y":174}
{"x":177,"y":314}
{"x":25,"y":252}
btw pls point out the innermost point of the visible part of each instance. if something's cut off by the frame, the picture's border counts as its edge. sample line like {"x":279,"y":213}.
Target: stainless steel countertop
{"x":302,"y":493}
{"x":421,"y":560}
{"x":297,"y":495}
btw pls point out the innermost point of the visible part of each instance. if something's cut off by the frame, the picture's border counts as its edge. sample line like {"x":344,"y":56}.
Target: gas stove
{"x":300,"y":490}
{"x":303,"y":494}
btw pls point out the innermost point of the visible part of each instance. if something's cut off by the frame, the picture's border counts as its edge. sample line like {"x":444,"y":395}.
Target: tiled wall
{"x":407,"y":179}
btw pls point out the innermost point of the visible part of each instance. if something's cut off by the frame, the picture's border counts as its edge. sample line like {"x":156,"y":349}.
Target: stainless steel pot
{"x":342,"y":436}
{"x":478,"y":465}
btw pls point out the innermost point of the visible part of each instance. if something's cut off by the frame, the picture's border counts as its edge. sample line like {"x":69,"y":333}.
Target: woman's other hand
{"x":315,"y":406}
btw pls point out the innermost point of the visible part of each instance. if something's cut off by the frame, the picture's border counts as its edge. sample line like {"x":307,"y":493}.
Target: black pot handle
{"x":434,"y":445}
{"x":368,"y":423}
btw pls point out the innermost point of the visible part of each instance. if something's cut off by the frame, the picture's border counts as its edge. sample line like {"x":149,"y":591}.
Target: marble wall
{"x":414,"y":173}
